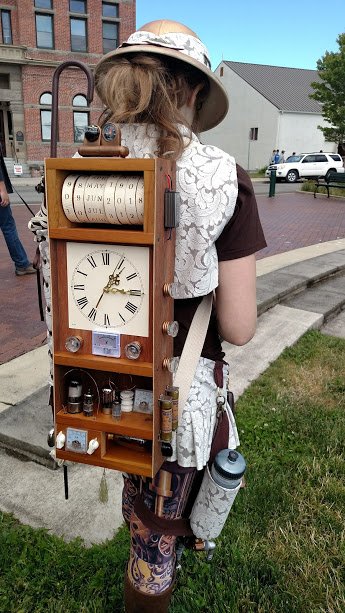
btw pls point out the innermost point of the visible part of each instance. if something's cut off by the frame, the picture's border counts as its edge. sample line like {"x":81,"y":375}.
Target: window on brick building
{"x":110,"y":33}
{"x":80,"y":118}
{"x":4,"y":81}
{"x":78,"y":34}
{"x":77,"y":6}
{"x":110,"y":10}
{"x":6,"y":27}
{"x":43,"y":4}
{"x":46,"y":116}
{"x":44,"y":31}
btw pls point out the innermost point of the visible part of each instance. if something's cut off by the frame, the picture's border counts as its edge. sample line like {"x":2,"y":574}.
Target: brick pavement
{"x":290,"y":221}
{"x":297,"y":219}
{"x":20,"y":328}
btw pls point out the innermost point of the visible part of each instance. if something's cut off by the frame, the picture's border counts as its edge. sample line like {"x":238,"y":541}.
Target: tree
{"x":330,"y":92}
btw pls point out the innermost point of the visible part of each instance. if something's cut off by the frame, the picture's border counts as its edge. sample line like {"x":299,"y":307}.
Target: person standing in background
{"x":271,"y":160}
{"x":8,"y":225}
{"x":277,"y":157}
{"x":282,"y":157}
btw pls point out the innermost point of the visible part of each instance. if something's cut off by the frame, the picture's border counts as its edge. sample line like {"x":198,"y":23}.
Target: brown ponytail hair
{"x":143,"y":88}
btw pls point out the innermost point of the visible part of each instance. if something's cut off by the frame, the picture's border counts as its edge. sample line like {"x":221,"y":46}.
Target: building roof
{"x":287,"y":88}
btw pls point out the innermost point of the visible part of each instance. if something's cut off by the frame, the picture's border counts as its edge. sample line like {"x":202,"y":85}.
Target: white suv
{"x":307,"y":165}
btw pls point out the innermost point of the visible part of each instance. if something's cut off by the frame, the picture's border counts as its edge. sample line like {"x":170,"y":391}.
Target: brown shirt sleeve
{"x":243,"y":234}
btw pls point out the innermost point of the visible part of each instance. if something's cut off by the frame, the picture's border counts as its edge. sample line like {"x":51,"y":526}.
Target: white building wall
{"x":299,"y":132}
{"x":276,"y":129}
{"x":248,"y":109}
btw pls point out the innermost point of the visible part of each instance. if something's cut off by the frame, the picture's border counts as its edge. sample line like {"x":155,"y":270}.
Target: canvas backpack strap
{"x":192,"y":350}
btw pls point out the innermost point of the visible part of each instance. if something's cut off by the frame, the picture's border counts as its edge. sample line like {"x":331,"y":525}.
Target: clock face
{"x":108,"y":288}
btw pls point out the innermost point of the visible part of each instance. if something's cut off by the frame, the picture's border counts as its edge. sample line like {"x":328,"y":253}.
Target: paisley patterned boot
{"x":139,"y":602}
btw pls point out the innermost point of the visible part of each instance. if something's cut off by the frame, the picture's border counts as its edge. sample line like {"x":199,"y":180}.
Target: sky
{"x":282,"y":33}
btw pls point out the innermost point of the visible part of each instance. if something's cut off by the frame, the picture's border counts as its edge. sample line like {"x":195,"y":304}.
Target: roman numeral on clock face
{"x":106,"y":320}
{"x":132,"y":276}
{"x":131,"y":307}
{"x":105,"y":258}
{"x":82,"y":302}
{"x":92,"y":314}
{"x":91,"y":261}
{"x":81,"y":287}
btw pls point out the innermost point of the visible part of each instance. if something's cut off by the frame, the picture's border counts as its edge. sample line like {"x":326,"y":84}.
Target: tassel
{"x":103,"y":489}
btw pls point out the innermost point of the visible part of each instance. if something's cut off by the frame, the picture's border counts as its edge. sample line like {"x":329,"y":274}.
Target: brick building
{"x":36,"y":36}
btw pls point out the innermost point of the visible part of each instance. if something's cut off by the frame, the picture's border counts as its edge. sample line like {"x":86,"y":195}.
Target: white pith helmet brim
{"x":172,"y":39}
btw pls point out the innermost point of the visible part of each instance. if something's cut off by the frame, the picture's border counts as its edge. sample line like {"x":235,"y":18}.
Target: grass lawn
{"x":283,"y":548}
{"x":309,"y":186}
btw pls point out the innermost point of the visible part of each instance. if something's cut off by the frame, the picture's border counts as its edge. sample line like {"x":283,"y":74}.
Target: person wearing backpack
{"x":159,"y":86}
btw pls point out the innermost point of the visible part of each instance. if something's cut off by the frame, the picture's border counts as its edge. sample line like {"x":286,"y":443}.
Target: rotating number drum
{"x":93,"y":199}
{"x":78,"y":199}
{"x":67,"y":197}
{"x":109,"y":199}
{"x":139,"y":200}
{"x":120,"y":192}
{"x":114,"y":199}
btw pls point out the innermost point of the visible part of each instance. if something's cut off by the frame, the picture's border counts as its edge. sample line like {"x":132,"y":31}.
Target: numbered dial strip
{"x":113,"y":199}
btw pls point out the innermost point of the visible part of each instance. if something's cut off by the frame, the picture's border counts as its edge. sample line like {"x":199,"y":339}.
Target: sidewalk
{"x":34,"y":494}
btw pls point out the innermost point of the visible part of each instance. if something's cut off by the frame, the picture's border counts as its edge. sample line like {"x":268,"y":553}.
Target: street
{"x":261,"y":187}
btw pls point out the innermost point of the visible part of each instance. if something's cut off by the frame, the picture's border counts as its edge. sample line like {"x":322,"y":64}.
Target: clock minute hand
{"x":100,"y":298}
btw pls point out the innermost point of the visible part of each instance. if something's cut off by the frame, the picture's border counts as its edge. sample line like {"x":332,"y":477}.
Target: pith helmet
{"x":173,"y":39}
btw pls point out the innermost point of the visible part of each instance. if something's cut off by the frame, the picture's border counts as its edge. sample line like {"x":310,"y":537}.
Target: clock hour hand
{"x":117,"y":290}
{"x":114,"y":277}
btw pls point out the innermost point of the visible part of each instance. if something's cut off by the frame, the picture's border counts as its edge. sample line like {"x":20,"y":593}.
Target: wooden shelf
{"x":101,"y":164}
{"x":98,"y":362}
{"x":139,"y":425}
{"x":124,"y":460}
{"x":93,"y":234}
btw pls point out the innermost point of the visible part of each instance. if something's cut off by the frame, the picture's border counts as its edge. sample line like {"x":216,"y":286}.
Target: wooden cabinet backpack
{"x":111,"y":307}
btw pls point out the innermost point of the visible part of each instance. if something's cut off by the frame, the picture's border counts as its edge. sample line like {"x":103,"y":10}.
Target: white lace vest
{"x":206,"y":179}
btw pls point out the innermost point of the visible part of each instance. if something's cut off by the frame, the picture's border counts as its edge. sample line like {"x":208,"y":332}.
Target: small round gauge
{"x":92,"y":133}
{"x":133,"y":350}
{"x":73,"y":343}
{"x":109,"y":132}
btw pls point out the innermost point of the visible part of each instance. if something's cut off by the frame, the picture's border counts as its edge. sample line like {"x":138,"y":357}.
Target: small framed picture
{"x":143,"y":401}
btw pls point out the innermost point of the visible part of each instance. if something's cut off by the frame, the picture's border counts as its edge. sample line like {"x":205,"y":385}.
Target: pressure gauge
{"x":73,"y":343}
{"x":133,"y":350}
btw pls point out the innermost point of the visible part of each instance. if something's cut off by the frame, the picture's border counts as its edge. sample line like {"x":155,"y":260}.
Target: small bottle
{"x":228,"y":468}
{"x":107,"y":400}
{"x":166,"y":418}
{"x":173,"y":391}
{"x":217,"y":493}
{"x":75,"y":401}
{"x":88,"y":404}
{"x":116,"y":410}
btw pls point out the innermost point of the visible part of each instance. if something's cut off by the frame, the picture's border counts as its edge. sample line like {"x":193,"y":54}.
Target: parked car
{"x":307,"y":165}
